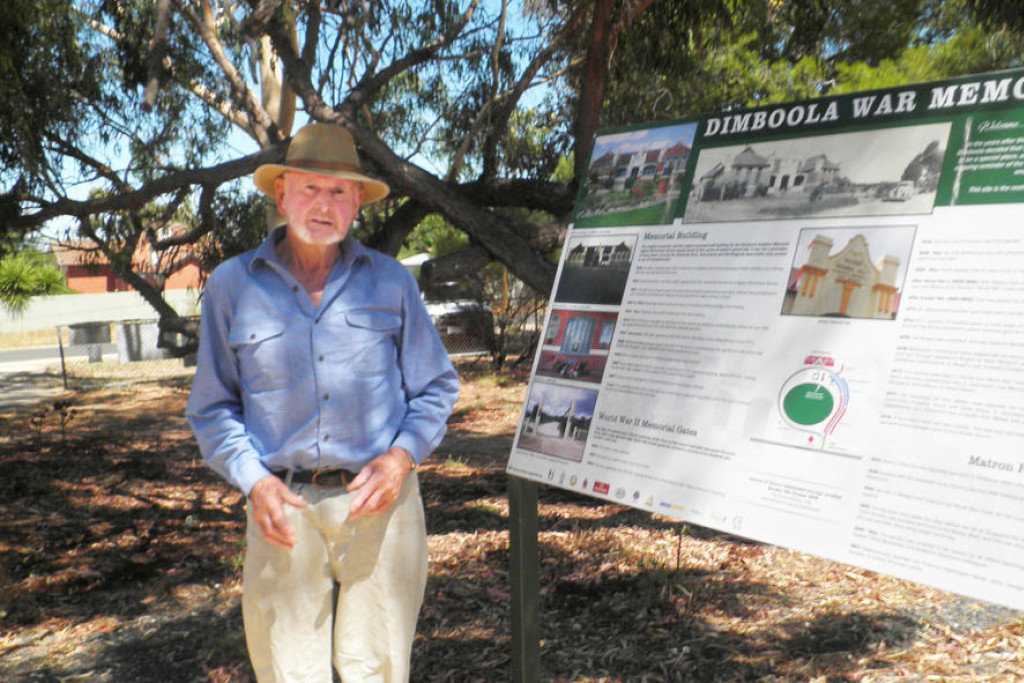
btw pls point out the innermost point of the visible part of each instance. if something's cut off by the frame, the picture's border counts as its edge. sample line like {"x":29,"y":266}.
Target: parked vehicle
{"x":900,"y":192}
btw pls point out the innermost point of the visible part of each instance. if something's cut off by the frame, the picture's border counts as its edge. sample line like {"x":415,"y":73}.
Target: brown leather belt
{"x":326,"y":479}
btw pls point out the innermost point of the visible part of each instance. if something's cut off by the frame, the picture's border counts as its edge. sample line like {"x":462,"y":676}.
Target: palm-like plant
{"x":27,"y":274}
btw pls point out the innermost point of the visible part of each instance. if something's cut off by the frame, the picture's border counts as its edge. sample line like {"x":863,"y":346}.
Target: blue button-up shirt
{"x":281,"y":384}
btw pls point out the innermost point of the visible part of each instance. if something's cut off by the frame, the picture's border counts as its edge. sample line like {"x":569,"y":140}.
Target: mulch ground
{"x":120,"y":560}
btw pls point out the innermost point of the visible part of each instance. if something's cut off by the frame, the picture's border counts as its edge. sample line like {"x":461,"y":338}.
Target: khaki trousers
{"x":348,"y":593}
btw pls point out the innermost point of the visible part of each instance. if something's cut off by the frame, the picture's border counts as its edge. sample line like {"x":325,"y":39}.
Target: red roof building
{"x":87,"y":269}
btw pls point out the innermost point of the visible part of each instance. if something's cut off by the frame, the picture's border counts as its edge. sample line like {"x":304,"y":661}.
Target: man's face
{"x":319,"y":209}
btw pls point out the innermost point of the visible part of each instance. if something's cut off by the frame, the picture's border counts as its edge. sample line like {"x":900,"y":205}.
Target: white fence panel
{"x":69,"y":309}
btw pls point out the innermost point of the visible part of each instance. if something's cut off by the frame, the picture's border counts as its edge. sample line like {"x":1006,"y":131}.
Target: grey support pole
{"x":525,"y":580}
{"x":63,"y":367}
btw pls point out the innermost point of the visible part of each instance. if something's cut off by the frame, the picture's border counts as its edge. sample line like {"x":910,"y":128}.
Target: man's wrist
{"x":410,"y":461}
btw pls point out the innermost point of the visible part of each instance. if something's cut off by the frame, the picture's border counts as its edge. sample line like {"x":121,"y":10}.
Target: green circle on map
{"x":807,"y":404}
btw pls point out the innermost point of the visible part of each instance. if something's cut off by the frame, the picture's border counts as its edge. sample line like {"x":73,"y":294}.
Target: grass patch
{"x":649,"y":215}
{"x":19,"y":340}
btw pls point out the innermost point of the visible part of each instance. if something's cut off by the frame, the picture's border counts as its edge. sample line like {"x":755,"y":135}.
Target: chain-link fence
{"x":506,"y":331}
{"x":123,"y":352}
{"x":127,"y":352}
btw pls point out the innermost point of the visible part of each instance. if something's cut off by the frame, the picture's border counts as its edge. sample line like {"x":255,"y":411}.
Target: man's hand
{"x":269,"y":496}
{"x":379,"y":483}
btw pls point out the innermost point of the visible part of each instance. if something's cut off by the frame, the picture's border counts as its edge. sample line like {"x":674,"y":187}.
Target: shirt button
{"x":327,"y":437}
{"x":252,"y":336}
{"x":326,"y":396}
{"x":295,"y":288}
{"x":321,"y":359}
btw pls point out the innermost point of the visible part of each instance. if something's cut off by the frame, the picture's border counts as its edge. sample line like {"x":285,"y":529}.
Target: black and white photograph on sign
{"x":635,"y":177}
{"x":595,"y":270}
{"x":576,"y":344}
{"x":849,"y":272}
{"x":890,"y":171}
{"x":557,"y":420}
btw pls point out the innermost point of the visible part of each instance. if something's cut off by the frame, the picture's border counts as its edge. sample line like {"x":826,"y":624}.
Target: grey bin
{"x":90,"y":335}
{"x":137,"y":340}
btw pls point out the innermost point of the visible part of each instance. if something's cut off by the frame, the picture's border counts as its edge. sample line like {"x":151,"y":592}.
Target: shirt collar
{"x":351,"y":250}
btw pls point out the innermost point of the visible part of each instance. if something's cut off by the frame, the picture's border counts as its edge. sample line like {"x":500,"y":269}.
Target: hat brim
{"x":265,"y":175}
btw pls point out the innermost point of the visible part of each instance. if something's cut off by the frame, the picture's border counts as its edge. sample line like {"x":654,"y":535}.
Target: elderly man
{"x":321,"y":384}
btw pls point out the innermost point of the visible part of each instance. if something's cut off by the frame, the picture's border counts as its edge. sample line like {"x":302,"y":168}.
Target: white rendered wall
{"x":69,"y":309}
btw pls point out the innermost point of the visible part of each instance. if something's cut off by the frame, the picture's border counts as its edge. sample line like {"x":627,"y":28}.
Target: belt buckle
{"x":340,"y":474}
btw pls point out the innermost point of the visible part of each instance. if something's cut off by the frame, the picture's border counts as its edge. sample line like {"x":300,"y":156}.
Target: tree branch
{"x":595,"y":76}
{"x":505,"y":104}
{"x":260,"y":125}
{"x":372,"y":83}
{"x":214,"y":175}
{"x":454,"y":266}
{"x":156,"y":55}
{"x":389,"y":237}
{"x":405,"y":178}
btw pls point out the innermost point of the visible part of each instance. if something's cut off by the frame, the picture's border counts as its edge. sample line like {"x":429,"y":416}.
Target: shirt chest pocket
{"x":263,"y":354}
{"x":369,"y":341}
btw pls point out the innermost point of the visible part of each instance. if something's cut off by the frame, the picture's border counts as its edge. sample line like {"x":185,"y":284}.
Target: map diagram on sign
{"x":809,"y":408}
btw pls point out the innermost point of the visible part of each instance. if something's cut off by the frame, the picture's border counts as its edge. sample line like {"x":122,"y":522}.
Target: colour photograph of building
{"x":575,"y":344}
{"x":839,"y":276}
{"x":635,"y":178}
{"x":891,"y":171}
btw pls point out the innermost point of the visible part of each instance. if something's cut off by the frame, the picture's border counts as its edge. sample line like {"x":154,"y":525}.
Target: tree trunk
{"x":595,"y":75}
{"x":454,"y":266}
{"x":487,"y":228}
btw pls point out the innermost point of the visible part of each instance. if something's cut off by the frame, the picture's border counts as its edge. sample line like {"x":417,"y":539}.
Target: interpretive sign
{"x":803,"y":324}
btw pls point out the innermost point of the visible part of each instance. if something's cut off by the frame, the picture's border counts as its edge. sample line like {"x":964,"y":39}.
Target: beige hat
{"x":324,"y":149}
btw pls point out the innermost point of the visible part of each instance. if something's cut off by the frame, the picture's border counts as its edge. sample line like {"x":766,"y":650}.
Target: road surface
{"x":24,"y":379}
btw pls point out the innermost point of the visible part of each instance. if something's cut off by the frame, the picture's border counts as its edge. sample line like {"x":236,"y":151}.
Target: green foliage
{"x":434,"y":236}
{"x":999,"y":14}
{"x":38,"y":51}
{"x":972,"y":49}
{"x":27,"y":274}
{"x":671,"y":63}
{"x":563,"y":170}
{"x":454,"y":99}
{"x":241,"y":224}
{"x":533,"y":144}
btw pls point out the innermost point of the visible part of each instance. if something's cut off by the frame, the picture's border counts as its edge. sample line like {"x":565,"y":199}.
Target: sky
{"x":646,"y":139}
{"x":558,"y":399}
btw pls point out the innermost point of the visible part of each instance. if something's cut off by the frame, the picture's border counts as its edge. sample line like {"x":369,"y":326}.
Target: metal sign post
{"x":525,"y":580}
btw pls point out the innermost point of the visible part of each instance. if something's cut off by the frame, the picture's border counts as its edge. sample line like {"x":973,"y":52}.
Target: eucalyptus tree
{"x":122,"y":115}
{"x":431,"y":92}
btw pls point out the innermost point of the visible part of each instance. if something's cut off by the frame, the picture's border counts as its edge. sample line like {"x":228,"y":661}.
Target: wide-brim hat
{"x":323,"y":149}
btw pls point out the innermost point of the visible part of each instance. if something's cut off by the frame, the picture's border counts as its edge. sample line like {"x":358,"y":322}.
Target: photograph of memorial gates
{"x":556,"y":420}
